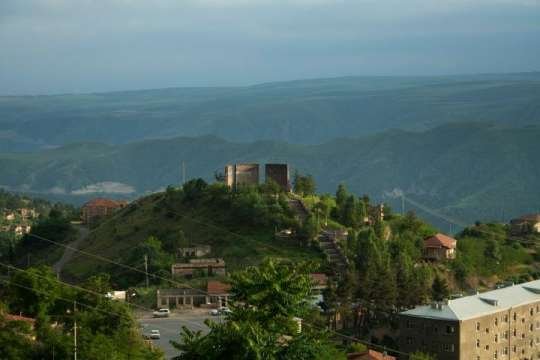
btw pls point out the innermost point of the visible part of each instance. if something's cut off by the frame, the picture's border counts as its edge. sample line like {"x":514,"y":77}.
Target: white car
{"x":162,"y":313}
{"x":224,"y":310}
{"x":153,"y":334}
{"x":214,"y":312}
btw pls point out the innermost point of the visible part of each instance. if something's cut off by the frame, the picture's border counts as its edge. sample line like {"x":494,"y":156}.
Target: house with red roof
{"x":100,"y":208}
{"x":219,"y":292}
{"x":439,"y":247}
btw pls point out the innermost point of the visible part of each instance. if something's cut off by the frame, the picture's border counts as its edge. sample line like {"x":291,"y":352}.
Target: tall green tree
{"x":439,"y":289}
{"x":267,"y":300}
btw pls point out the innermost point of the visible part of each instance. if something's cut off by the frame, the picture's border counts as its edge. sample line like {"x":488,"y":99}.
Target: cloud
{"x":106,"y":187}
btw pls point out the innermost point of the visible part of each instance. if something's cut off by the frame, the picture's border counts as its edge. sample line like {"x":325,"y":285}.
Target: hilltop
{"x":470,"y":171}
{"x":304,"y":111}
{"x":239,"y":228}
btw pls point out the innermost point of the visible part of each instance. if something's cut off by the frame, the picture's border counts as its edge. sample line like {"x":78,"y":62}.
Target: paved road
{"x":170,"y":328}
{"x":68,"y":253}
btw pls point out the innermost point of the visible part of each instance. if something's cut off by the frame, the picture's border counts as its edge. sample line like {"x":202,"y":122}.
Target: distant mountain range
{"x":302,"y":112}
{"x":471,"y":171}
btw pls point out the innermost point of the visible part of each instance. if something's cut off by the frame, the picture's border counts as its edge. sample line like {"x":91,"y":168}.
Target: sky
{"x":72,"y":46}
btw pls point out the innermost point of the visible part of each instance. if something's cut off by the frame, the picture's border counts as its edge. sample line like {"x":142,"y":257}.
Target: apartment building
{"x":498,"y":324}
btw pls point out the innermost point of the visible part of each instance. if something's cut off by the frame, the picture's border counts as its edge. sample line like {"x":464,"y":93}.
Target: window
{"x":531,"y":343}
{"x":450,"y":329}
{"x":506,"y":334}
{"x":514,"y":349}
{"x":496,"y":337}
{"x":515,"y":334}
{"x":531,"y":327}
{"x":505,"y":318}
{"x":487,"y":347}
{"x":531,"y":311}
{"x":496,"y":321}
{"x":523,"y":335}
{"x":495,"y":354}
{"x":410,"y":324}
{"x":522,"y":320}
{"x":448,"y":347}
{"x":505,"y":351}
{"x":487,"y":330}
{"x":477,"y":326}
{"x":409,"y":340}
{"x":477,"y":343}
{"x":515,"y":316}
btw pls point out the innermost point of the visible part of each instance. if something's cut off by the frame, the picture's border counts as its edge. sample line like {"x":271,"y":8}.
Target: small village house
{"x":199,"y":267}
{"x":525,"y":224}
{"x":219,"y":293}
{"x":440,"y":247}
{"x":194,"y":251}
{"x":99,"y":208}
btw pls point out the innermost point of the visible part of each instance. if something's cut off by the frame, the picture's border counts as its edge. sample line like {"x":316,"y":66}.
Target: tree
{"x":418,"y":355}
{"x":33,"y":291}
{"x":304,"y":185}
{"x":439,"y":289}
{"x":262,"y":325}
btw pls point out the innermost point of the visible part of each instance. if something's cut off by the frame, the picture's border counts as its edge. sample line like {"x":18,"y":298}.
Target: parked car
{"x":162,"y":313}
{"x":152,"y":334}
{"x":214,"y":312}
{"x":224,"y":310}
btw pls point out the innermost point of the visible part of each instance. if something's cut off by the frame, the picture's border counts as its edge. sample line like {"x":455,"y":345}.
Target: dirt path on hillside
{"x":68,"y":252}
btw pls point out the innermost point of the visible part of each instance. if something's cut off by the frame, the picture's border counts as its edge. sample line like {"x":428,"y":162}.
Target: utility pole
{"x":74,"y":330}
{"x":146,"y":268}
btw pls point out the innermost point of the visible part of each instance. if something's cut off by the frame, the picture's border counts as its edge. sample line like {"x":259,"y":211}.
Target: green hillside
{"x":304,"y":111}
{"x":468,"y":171}
{"x":238,"y":227}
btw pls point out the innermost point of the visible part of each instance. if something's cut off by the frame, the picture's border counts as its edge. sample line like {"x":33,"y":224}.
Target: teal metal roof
{"x":481,"y":304}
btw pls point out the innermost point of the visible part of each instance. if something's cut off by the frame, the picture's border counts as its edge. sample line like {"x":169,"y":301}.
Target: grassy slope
{"x":239,"y":246}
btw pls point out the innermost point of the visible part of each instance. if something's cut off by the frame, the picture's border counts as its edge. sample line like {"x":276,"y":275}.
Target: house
{"x":99,"y":208}
{"x":525,"y":224}
{"x":320,"y":282}
{"x":219,"y":293}
{"x":497,"y":324}
{"x":439,"y":247}
{"x":181,"y":298}
{"x":194,"y":251}
{"x":10,"y":216}
{"x":204,"y":267}
{"x":369,"y":355}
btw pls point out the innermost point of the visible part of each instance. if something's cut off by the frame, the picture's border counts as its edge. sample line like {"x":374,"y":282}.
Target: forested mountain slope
{"x":303,"y":111}
{"x":471,"y":171}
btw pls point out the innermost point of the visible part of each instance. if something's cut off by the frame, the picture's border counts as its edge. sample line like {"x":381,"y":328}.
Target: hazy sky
{"x":57,"y":46}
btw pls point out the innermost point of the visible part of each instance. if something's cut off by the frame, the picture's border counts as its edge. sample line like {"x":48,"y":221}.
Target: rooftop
{"x":217,"y":288}
{"x":195,"y":263}
{"x":101,"y":202}
{"x":528,"y":217}
{"x":481,"y":304}
{"x":440,"y":240}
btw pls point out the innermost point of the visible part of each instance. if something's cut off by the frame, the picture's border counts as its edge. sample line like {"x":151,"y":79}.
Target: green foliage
{"x":15,"y":339}
{"x":485,"y":249}
{"x":439,"y":289}
{"x":304,"y":184}
{"x":418,"y":355}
